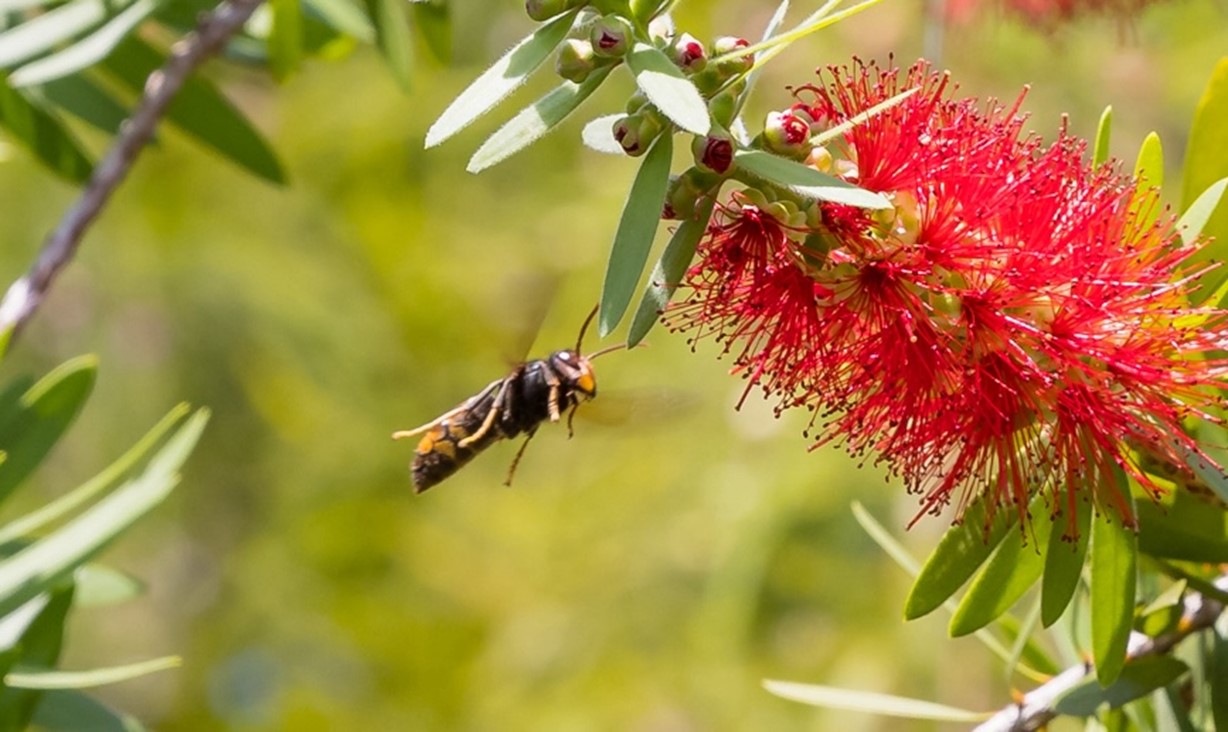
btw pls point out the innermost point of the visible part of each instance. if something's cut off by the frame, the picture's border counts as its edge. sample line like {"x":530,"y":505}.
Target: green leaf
{"x":668,"y":88}
{"x":1013,"y":568}
{"x":16,"y":6}
{"x":44,"y":135}
{"x":1206,"y":161}
{"x":54,"y":557}
{"x":55,"y":510}
{"x":1177,"y":718}
{"x":636,"y":230}
{"x":87,"y":51}
{"x":806,"y":181}
{"x":434,"y":23}
{"x":44,"y":413}
{"x":73,"y":711}
{"x":1139,"y":677}
{"x":670,"y":269}
{"x":40,"y":645}
{"x":86,"y":101}
{"x":1100,"y":153}
{"x":393,"y":39}
{"x":285,"y":42}
{"x":42,"y":33}
{"x":1163,"y":613}
{"x":28,"y":678}
{"x":869,"y":702}
{"x":200,"y":110}
{"x":1194,"y":220}
{"x":962,"y":549}
{"x":1218,"y":676}
{"x":1149,"y":170}
{"x":1189,"y":529}
{"x":1114,"y":556}
{"x":599,"y":135}
{"x":1064,"y":565}
{"x":535,"y":121}
{"x":501,"y":79}
{"x":344,"y":16}
{"x":99,"y":585}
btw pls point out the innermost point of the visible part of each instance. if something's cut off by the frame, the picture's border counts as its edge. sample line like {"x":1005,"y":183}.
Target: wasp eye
{"x":564,"y":356}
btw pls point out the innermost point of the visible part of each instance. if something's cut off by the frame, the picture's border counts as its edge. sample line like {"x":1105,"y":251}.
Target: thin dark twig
{"x":1035,"y":709}
{"x":27,"y":293}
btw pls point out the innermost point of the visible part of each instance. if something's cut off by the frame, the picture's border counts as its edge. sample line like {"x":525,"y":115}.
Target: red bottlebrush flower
{"x":1015,"y":324}
{"x":1044,"y":14}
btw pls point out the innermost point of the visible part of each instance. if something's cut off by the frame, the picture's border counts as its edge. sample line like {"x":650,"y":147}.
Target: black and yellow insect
{"x":536,"y":391}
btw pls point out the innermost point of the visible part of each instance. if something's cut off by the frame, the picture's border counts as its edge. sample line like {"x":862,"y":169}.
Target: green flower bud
{"x":635,"y":132}
{"x":611,"y":37}
{"x":714,"y":153}
{"x":685,"y":192}
{"x":690,"y":54}
{"x":635,"y":102}
{"x":787,"y":134}
{"x":541,"y":10}
{"x":736,"y":64}
{"x":575,"y":61}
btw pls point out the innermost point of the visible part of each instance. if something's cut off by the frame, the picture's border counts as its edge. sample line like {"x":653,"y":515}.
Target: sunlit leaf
{"x":344,"y":16}
{"x":668,"y":273}
{"x":501,"y":79}
{"x":43,"y":135}
{"x":767,"y":49}
{"x":1139,"y":677}
{"x":42,"y":33}
{"x":636,"y":230}
{"x":1164,"y":612}
{"x":73,"y":711}
{"x":392,"y":37}
{"x":1206,"y":161}
{"x":806,"y":181}
{"x":961,"y":551}
{"x":1104,"y":130}
{"x":44,"y":413}
{"x":1012,"y":569}
{"x":1194,"y":219}
{"x":668,"y":88}
{"x":55,"y":510}
{"x":39,"y":646}
{"x":1064,"y":564}
{"x":534,"y":121}
{"x":199,"y":110}
{"x":85,"y":100}
{"x":1149,"y":171}
{"x":1114,"y":556}
{"x":285,"y":42}
{"x":28,"y":678}
{"x":87,"y":51}
{"x":100,"y":585}
{"x":55,"y":556}
{"x":434,"y":23}
{"x":869,"y":702}
{"x":599,"y":135}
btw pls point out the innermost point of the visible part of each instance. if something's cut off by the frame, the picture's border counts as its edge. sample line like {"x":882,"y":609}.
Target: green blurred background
{"x":645,"y":575}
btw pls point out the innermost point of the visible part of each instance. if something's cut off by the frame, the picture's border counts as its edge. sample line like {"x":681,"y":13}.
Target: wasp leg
{"x":402,"y":434}
{"x":552,"y":403}
{"x":570,"y":418}
{"x":495,"y":408}
{"x":511,"y":471}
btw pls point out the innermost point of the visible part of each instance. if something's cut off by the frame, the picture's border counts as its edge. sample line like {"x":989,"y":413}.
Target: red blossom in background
{"x":1017,"y":322}
{"x":1045,"y":14}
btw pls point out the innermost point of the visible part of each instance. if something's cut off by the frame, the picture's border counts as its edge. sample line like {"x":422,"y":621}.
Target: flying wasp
{"x":535,"y":391}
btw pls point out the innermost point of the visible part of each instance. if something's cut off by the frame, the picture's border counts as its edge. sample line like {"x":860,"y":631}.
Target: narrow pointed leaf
{"x":45,"y":412}
{"x":534,"y":121}
{"x":344,"y":16}
{"x":1064,"y":565}
{"x":99,"y":585}
{"x":392,"y":37}
{"x":1149,"y":171}
{"x":1139,"y":678}
{"x":1188,"y":530}
{"x":1010,"y":572}
{"x":668,"y":88}
{"x":599,"y":135}
{"x":73,"y":711}
{"x":200,"y":110}
{"x":869,"y":702}
{"x":636,"y":230}
{"x":806,"y":181}
{"x":1218,"y":676}
{"x":16,"y":6}
{"x":87,"y":101}
{"x":1104,"y":130}
{"x":40,"y":645}
{"x":54,"y":557}
{"x":501,"y":79}
{"x":961,"y":551}
{"x":1114,"y":556}
{"x":27,"y":678}
{"x":44,"y":136}
{"x":1206,"y":161}
{"x":285,"y":42}
{"x":1195,"y":218}
{"x":48,"y":513}
{"x":670,"y":269}
{"x":434,"y":24}
{"x":44,"y":32}
{"x":87,"y":51}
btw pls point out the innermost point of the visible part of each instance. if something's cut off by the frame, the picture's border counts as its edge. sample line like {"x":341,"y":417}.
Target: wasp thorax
{"x":576,"y":371}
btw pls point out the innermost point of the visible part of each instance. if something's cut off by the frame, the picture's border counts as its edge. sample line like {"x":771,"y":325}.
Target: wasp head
{"x":576,"y":371}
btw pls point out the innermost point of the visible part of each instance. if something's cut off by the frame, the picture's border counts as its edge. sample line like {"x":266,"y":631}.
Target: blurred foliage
{"x":646,"y":574}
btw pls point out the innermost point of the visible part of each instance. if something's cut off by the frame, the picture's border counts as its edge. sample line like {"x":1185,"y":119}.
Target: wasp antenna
{"x":607,"y":349}
{"x":584,"y":327}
